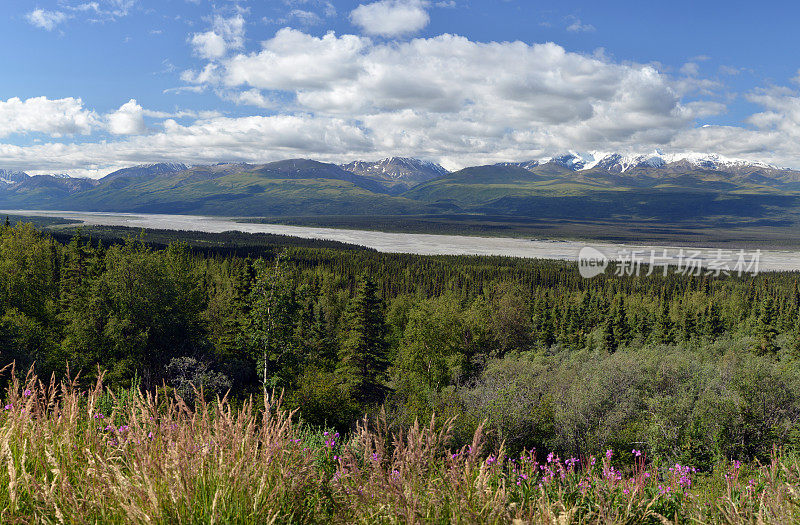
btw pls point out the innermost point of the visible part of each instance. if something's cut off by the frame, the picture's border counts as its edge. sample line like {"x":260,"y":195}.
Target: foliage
{"x":692,"y":369}
{"x":99,"y":457}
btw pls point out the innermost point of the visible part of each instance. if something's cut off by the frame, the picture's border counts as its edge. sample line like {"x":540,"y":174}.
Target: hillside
{"x":292,"y":187}
{"x":615,"y":187}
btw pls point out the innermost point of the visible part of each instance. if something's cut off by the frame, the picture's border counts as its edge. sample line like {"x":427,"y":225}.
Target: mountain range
{"x":642,"y":187}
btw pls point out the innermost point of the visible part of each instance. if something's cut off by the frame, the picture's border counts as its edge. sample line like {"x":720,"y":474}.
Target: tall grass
{"x":72,"y":456}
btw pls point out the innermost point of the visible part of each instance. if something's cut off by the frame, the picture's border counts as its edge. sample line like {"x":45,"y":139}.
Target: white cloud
{"x":209,"y":45}
{"x":255,"y":139}
{"x":391,"y":17}
{"x":579,"y":27}
{"x":127,"y":120}
{"x":691,"y":69}
{"x":100,"y":10}
{"x":47,"y":20}
{"x":226,"y":34}
{"x":57,"y":117}
{"x":450,"y":96}
{"x":294,"y":60}
{"x":446,"y":98}
{"x":306,"y":18}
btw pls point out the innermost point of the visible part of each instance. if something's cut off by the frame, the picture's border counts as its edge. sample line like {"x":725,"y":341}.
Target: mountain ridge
{"x":653,"y":186}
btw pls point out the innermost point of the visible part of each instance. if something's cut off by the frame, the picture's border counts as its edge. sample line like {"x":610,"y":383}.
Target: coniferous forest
{"x":695,"y":369}
{"x":360,"y":355}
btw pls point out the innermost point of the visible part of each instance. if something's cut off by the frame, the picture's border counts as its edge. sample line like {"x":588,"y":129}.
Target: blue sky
{"x":92,"y":85}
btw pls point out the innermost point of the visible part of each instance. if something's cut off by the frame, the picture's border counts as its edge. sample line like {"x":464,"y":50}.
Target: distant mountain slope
{"x":291,"y":187}
{"x":643,"y":187}
{"x":42,"y":191}
{"x":11,"y":176}
{"x":397,"y":173}
{"x":145,"y":170}
{"x":651,"y":186}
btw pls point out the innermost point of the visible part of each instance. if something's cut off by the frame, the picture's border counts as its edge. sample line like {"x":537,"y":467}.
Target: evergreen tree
{"x":364,"y":359}
{"x":712,"y":322}
{"x":610,"y":342}
{"x":621,"y":328}
{"x":765,"y":330}
{"x":664,"y":324}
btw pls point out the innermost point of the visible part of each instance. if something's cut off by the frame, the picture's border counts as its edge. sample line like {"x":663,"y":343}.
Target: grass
{"x":96,"y":456}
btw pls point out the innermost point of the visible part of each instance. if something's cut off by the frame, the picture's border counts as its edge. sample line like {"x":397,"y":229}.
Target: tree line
{"x":695,"y":368}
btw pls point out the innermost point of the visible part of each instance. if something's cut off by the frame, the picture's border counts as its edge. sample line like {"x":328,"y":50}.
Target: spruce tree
{"x":664,"y":324}
{"x":712,"y":323}
{"x":364,"y":356}
{"x":609,"y":341}
{"x":621,"y":328}
{"x":765,"y":330}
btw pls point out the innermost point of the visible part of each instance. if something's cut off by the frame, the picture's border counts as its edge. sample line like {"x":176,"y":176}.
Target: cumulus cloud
{"x":255,"y":139}
{"x":450,"y":95}
{"x":47,"y":20}
{"x":127,"y":120}
{"x":446,"y":98}
{"x":55,"y":117}
{"x":225,"y":34}
{"x":391,"y":17}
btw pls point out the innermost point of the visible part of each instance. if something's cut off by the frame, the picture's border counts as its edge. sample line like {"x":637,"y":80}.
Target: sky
{"x":89,"y":86}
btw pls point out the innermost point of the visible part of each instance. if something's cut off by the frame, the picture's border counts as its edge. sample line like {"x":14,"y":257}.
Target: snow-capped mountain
{"x":528,"y":165}
{"x":397,"y":171}
{"x":621,"y":163}
{"x":13,"y":177}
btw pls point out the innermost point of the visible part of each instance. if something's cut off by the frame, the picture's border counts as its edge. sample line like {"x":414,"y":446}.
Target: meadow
{"x":100,"y":456}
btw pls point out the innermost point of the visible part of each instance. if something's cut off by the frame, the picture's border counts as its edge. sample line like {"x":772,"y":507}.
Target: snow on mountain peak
{"x":619,"y":162}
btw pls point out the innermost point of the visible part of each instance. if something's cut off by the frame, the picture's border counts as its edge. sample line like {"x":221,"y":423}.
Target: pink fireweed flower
{"x":636,"y":453}
{"x":9,"y":406}
{"x":27,"y":392}
{"x":609,"y":453}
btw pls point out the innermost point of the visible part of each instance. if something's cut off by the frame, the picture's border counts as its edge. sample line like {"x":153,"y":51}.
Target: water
{"x":427,"y":244}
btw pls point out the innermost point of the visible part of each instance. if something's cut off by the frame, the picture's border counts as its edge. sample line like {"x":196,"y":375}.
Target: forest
{"x":695,"y":370}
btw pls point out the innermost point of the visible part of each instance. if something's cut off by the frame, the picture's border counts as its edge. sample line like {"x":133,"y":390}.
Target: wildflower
{"x":609,"y":453}
{"x":490,"y":461}
{"x":27,"y":392}
{"x":150,"y":435}
{"x":9,"y":406}
{"x":636,"y":453}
